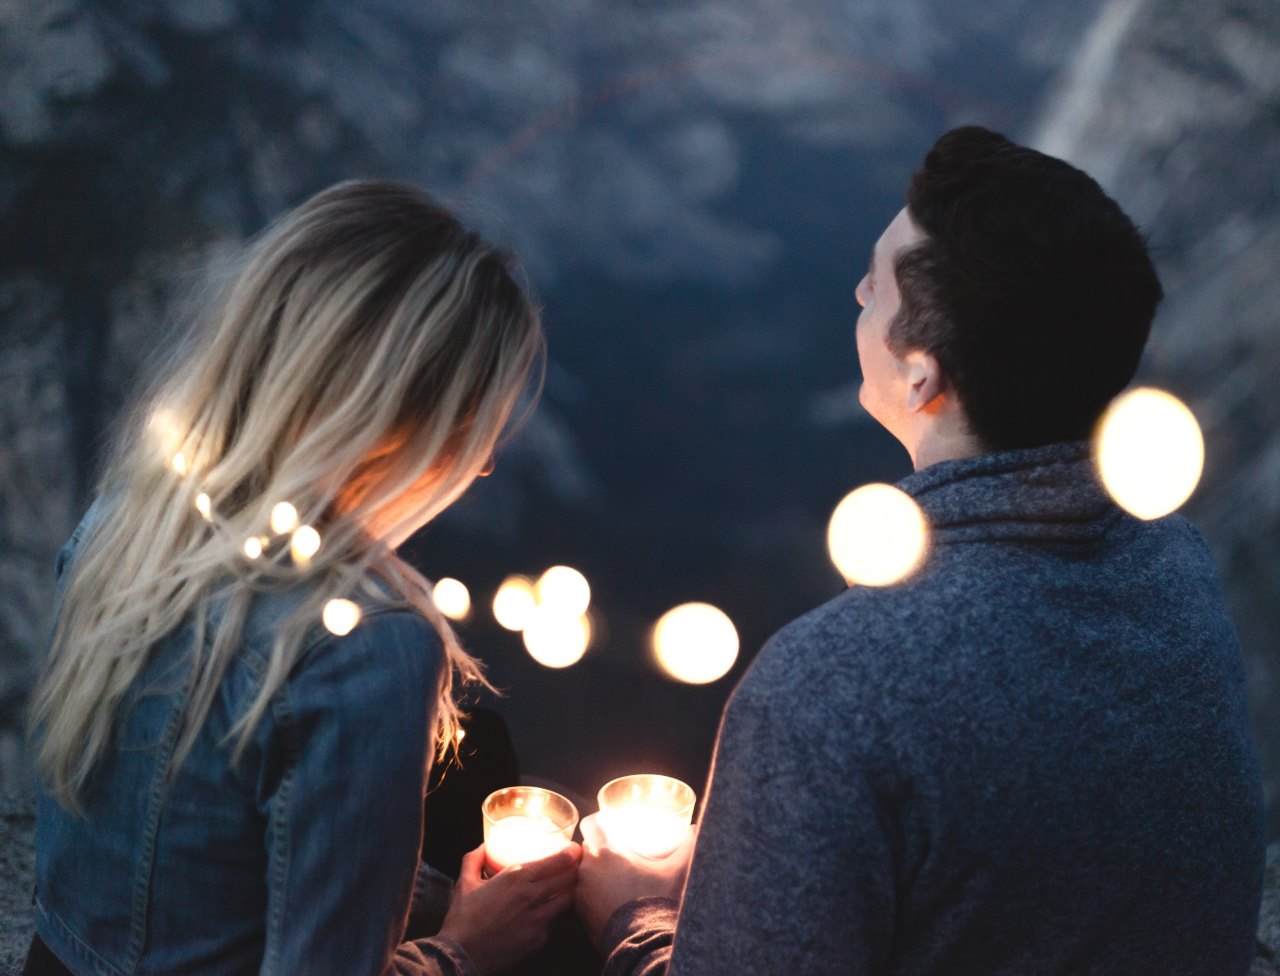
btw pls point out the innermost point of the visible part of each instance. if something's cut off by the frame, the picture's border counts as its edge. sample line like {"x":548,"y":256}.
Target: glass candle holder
{"x":647,"y":813}
{"x":525,"y":823}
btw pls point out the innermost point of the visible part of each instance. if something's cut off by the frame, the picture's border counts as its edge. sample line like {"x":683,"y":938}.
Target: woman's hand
{"x":609,"y":877}
{"x":500,"y":920}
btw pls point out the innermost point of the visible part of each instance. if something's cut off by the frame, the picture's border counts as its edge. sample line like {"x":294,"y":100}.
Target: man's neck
{"x":943,"y":443}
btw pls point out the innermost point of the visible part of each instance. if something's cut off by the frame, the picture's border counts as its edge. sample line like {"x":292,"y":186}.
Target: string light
{"x":340,"y":616}
{"x":284,"y":518}
{"x":514,"y":603}
{"x":565,"y":590}
{"x":204,"y":506}
{"x":695,"y":643}
{"x":303,"y":544}
{"x":1149,"y":452}
{"x":452,"y":598}
{"x":555,"y":640}
{"x":877,"y":535}
{"x":179,"y":463}
{"x":253,"y":547}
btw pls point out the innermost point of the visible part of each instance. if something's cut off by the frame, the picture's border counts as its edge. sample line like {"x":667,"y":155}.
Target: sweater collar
{"x":1047,"y":493}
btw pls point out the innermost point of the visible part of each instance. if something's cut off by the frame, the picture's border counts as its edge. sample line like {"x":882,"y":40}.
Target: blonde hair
{"x":361,"y":367}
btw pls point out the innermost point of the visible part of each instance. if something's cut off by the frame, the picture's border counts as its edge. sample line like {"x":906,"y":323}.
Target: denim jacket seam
{"x":279,"y":863}
{"x":76,"y":944}
{"x":141,"y":888}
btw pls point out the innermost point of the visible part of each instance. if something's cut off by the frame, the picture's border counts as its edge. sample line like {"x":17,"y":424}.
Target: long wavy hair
{"x":360,"y":367}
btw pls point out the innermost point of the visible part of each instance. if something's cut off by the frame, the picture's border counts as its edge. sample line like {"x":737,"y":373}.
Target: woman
{"x":245,"y":684}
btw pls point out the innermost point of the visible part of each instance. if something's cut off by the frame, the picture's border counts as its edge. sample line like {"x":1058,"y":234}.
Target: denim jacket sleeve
{"x":341,"y":793}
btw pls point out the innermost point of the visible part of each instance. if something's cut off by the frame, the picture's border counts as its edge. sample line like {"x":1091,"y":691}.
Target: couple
{"x":1032,"y":757}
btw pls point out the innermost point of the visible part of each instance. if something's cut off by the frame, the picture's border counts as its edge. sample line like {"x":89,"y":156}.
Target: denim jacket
{"x":299,"y":859}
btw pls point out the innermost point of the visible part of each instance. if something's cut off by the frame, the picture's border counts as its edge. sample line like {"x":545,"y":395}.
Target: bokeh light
{"x":452,"y":598}
{"x":284,"y":518}
{"x":341,"y":616}
{"x":1150,"y":452}
{"x":554,"y":639}
{"x":564,"y":590}
{"x":179,"y":463}
{"x":204,"y":506}
{"x":695,"y":643}
{"x":877,"y":535}
{"x":303,"y":544}
{"x":252,"y":547}
{"x":514,"y":603}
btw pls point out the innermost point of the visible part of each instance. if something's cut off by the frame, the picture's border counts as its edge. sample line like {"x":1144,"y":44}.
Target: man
{"x":1032,"y":756}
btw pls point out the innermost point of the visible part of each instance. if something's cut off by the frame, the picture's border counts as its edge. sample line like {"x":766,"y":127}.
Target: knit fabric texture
{"x":1032,"y":757}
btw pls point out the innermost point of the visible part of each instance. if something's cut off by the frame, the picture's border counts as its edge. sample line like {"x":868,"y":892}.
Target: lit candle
{"x":649,"y":814}
{"x":525,"y":823}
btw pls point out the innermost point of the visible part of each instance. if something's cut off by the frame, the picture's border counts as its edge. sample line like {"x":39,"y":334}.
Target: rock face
{"x":1173,"y":105}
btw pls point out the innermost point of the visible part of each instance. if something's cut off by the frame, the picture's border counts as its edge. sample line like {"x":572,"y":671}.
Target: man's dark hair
{"x":1033,"y":289}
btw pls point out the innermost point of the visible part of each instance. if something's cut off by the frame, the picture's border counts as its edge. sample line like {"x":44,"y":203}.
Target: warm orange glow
{"x":1150,"y":452}
{"x":303,"y":544}
{"x":877,"y":535}
{"x":565,"y":590}
{"x":284,"y":518}
{"x":555,"y":640}
{"x":341,"y":616}
{"x":179,"y":463}
{"x":452,"y":598}
{"x":525,"y":823}
{"x":695,"y":643}
{"x":646,"y":813}
{"x":514,"y":603}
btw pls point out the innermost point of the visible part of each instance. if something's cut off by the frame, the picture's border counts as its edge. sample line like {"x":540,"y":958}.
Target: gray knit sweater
{"x":1031,"y":758}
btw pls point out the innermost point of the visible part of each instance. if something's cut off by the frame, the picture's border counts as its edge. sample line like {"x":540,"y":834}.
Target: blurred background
{"x":693,"y":188}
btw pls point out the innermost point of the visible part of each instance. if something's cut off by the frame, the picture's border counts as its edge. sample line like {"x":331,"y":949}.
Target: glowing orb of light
{"x":554,"y":639}
{"x":452,"y":598}
{"x":514,"y":603}
{"x":1150,"y":452}
{"x":204,"y":506}
{"x":565,"y":590}
{"x":695,"y":643}
{"x":877,"y":535}
{"x":179,"y":463}
{"x":252,"y":547}
{"x":284,"y":518}
{"x":303,"y":544}
{"x":340,"y":616}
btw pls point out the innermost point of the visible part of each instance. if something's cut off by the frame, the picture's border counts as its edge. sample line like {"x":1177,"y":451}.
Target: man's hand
{"x":609,"y":877}
{"x":500,"y":920}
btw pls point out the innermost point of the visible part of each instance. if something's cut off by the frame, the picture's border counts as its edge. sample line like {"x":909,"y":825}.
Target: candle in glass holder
{"x":648,"y":813}
{"x":525,"y":823}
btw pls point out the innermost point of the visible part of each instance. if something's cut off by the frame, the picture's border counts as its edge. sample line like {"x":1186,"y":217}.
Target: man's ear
{"x":926,"y":382}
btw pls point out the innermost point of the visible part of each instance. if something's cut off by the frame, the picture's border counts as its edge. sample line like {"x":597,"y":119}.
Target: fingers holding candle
{"x":501,"y":919}
{"x":610,"y":877}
